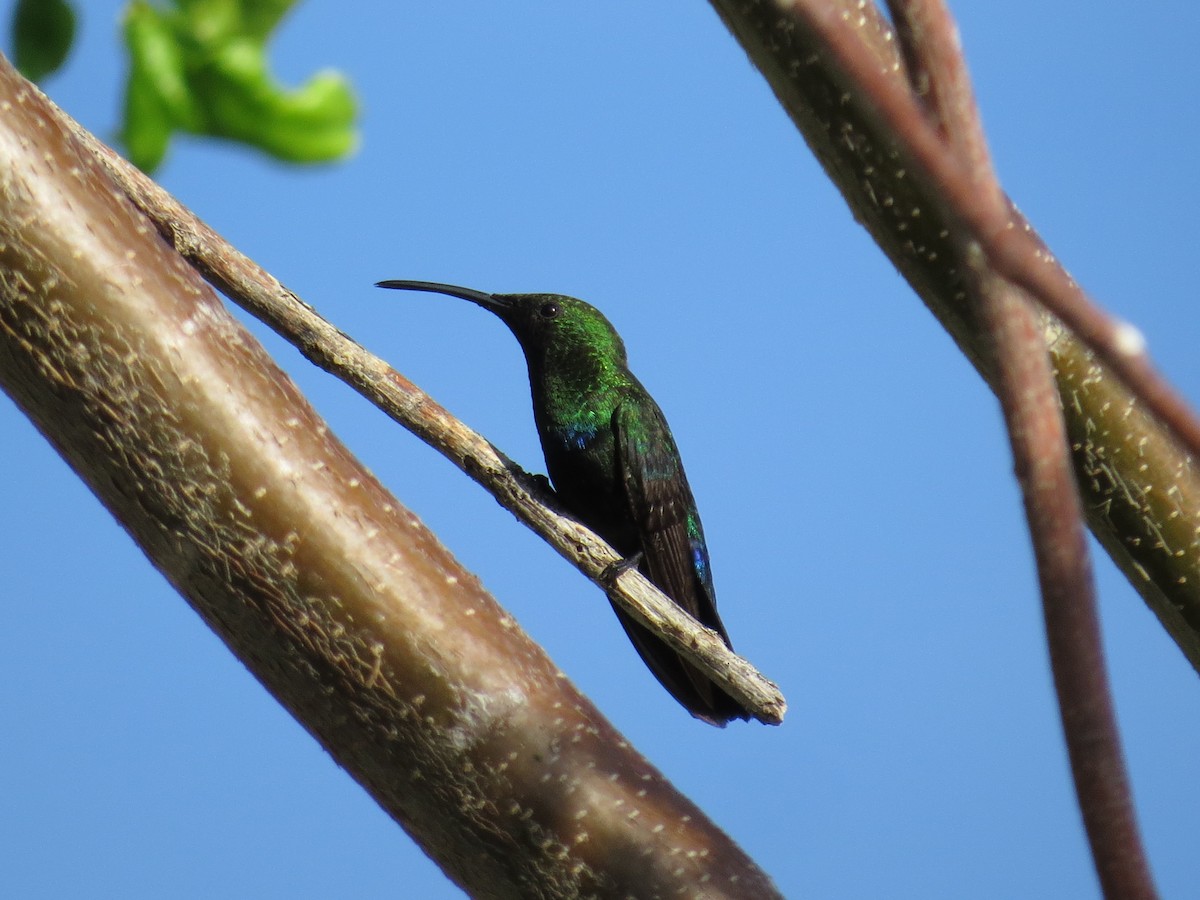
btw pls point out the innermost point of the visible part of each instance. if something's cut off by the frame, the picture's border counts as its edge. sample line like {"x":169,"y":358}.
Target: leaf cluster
{"x":201,"y":67}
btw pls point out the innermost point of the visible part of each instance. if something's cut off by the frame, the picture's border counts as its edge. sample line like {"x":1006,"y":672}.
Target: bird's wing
{"x":674,"y":556}
{"x":661,"y":505}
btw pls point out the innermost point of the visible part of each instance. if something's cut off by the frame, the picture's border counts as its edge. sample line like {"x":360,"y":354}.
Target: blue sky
{"x":851,"y":468}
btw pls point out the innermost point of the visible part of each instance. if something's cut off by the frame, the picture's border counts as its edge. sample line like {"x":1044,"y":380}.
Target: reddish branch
{"x":1011,"y":250}
{"x":951,"y":146}
{"x":1141,"y":489}
{"x":1043,"y":467}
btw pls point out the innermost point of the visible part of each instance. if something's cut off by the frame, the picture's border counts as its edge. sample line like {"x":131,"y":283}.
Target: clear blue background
{"x":850,"y":466}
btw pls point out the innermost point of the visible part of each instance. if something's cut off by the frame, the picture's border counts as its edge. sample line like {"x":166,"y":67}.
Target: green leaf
{"x":310,"y":124}
{"x":201,"y":66}
{"x":158,"y":64}
{"x":261,"y":16}
{"x":43,"y":31}
{"x":158,"y":98}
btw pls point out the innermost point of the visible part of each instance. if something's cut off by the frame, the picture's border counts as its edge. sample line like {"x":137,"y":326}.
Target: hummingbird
{"x":615,"y":466}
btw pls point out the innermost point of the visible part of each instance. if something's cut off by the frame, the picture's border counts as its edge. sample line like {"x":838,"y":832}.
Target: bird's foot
{"x":613,"y":571}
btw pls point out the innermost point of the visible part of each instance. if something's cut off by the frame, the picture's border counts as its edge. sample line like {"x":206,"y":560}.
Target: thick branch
{"x":337,"y":598}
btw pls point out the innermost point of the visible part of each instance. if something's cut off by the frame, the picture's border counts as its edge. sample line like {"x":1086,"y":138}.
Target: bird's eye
{"x":549,"y":310}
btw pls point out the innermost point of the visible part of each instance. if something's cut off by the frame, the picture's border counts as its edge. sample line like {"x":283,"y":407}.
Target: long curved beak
{"x":498,"y":305}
